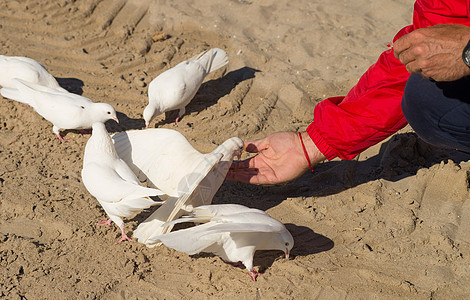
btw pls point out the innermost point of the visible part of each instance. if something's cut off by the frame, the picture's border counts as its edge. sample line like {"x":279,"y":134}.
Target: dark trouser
{"x":439,"y":112}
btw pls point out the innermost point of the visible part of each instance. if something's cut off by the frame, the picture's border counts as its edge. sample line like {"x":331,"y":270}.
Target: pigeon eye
{"x":287,"y":244}
{"x":83,"y":107}
{"x":108,"y":112}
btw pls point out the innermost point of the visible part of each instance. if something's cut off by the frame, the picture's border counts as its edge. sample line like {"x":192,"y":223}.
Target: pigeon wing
{"x":63,"y":109}
{"x":190,"y":183}
{"x":169,"y":89}
{"x":220,"y":210}
{"x":243,"y":227}
{"x":191,"y":241}
{"x":105,"y":184}
{"x":206,"y":213}
{"x":125,"y":172}
{"x":160,"y":156}
{"x":173,"y":206}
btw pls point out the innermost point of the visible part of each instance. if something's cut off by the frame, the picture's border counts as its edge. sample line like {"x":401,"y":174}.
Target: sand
{"x":391,"y":224}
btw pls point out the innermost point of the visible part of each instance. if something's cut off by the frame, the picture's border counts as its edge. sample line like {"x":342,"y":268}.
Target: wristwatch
{"x":466,"y":54}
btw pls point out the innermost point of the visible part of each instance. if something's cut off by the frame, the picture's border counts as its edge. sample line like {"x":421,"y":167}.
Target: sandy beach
{"x":394,"y":223}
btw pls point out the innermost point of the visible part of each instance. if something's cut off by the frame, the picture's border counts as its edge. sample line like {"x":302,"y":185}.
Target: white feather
{"x":111,"y":181}
{"x":26,"y":69}
{"x":63,"y":109}
{"x":232,"y":236}
{"x":205,"y":213}
{"x":167,"y":161}
{"x":176,"y":87}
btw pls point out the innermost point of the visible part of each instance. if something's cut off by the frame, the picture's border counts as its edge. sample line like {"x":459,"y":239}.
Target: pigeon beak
{"x":116,"y":119}
{"x":287,"y":254}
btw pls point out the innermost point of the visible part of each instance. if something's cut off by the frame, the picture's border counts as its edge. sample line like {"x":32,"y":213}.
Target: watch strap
{"x":466,"y":54}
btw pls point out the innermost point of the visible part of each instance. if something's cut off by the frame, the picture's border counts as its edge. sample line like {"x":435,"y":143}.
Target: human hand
{"x":435,"y":52}
{"x":280,"y":158}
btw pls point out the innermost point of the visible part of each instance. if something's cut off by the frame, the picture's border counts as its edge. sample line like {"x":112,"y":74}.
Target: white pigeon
{"x":63,"y":109}
{"x":110,"y":180}
{"x":167,"y":161}
{"x":26,"y":69}
{"x":233,"y":232}
{"x":176,"y":87}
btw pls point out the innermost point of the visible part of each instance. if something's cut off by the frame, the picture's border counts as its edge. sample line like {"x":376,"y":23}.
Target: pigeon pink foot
{"x":123,"y":236}
{"x":103,"y":222}
{"x":61,"y":138}
{"x":253,"y":274}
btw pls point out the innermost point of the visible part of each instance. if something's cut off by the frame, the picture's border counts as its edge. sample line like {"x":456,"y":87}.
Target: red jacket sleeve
{"x":345,"y":126}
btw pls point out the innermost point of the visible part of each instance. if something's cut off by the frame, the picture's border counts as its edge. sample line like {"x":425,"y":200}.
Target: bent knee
{"x":417,"y":106}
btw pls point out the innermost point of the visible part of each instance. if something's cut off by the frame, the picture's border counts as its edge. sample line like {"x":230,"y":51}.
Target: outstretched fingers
{"x":251,"y":169}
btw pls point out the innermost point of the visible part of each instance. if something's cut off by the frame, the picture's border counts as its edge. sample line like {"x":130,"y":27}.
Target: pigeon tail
{"x":132,"y":206}
{"x":144,"y":192}
{"x":13,"y":94}
{"x":146,"y":230}
{"x":153,"y":224}
{"x":213,"y":59}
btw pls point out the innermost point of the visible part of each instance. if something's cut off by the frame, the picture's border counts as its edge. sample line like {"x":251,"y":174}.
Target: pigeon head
{"x":149,"y":112}
{"x":101,"y":112}
{"x":288,"y":242}
{"x":282,"y":241}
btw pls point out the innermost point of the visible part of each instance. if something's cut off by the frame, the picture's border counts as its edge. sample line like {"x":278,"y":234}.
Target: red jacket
{"x":345,"y":126}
